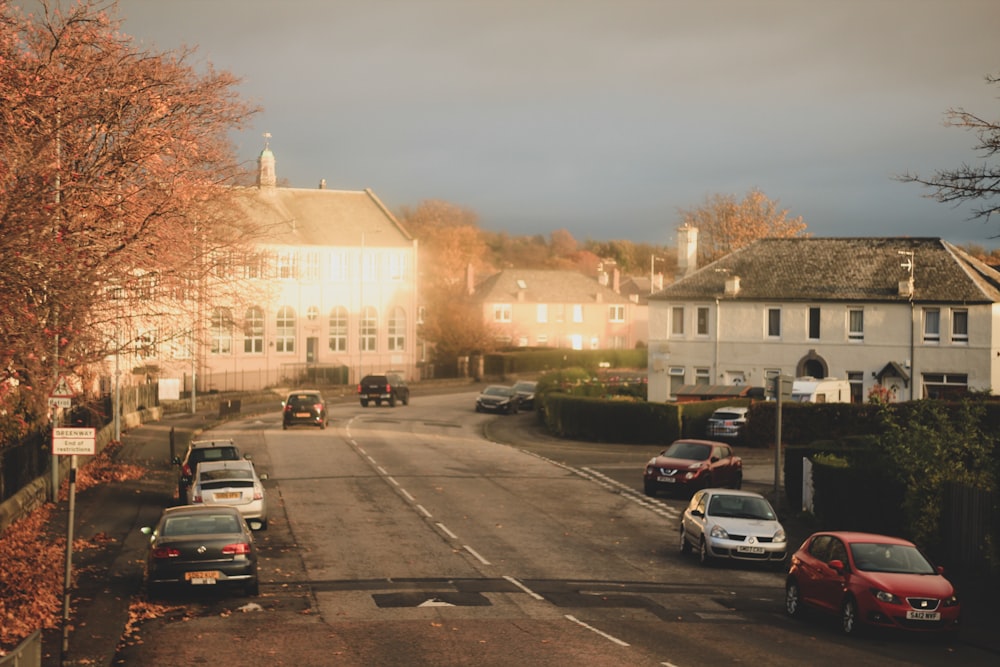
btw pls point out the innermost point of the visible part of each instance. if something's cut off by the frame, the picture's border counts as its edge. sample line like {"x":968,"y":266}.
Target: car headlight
{"x":719,"y":533}
{"x":885,"y":596}
{"x":779,"y":536}
{"x":950,"y":601}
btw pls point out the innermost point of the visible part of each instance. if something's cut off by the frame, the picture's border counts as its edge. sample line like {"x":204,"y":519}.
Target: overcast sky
{"x":604,"y":117}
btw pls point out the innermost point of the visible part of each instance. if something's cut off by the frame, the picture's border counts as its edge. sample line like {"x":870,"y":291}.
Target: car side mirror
{"x":248,"y":457}
{"x":146,"y":530}
{"x":697,"y":513}
{"x":176,"y":460}
{"x":838,"y":565}
{"x":714,"y":459}
{"x":940,"y":569}
{"x":262,"y":476}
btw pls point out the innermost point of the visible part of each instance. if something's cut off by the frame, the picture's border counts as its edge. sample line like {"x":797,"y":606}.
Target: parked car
{"x":305,"y":406}
{"x":688,"y":465}
{"x":734,"y":525}
{"x":525,"y":390}
{"x":204,"y":545}
{"x":388,"y":387}
{"x":870,"y":581}
{"x":498,"y":398}
{"x":233,"y":483}
{"x":203,"y":450}
{"x":728,"y":422}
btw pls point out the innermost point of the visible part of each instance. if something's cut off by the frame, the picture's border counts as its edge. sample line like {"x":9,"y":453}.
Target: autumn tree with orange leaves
{"x":725,"y":224}
{"x":114,"y":170}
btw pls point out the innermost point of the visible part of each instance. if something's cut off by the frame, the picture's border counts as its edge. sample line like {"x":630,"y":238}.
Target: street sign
{"x":60,"y":402}
{"x":74,"y":440}
{"x":62,"y":389}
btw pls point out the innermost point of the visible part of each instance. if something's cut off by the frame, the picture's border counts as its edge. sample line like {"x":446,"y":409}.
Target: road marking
{"x":422,"y":510}
{"x":523,"y":587}
{"x":593,"y":629}
{"x":478,"y":557}
{"x":407,"y":494}
{"x":444,"y":529}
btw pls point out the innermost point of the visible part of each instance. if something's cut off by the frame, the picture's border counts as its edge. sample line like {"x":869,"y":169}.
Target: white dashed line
{"x":593,"y":629}
{"x":523,"y":587}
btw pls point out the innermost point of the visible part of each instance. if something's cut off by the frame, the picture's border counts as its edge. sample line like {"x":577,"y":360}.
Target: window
{"x":312,"y":313}
{"x":814,"y":323}
{"x":617,"y":342}
{"x":368,"y":330}
{"x":338,"y":266}
{"x":369,"y":267}
{"x":577,"y":312}
{"x":397,"y":266}
{"x":774,"y":322}
{"x":677,"y":321}
{"x":285,"y":335}
{"x":702,"y":377}
{"x":855,"y":324}
{"x":945,"y":385}
{"x":254,"y":265}
{"x":220,"y":332}
{"x":542,"y":313}
{"x":857,"y":384}
{"x":146,"y":344}
{"x":959,"y":326}
{"x":501,"y":312}
{"x":253,"y":330}
{"x":542,"y":340}
{"x":676,"y":379}
{"x":397,"y":330}
{"x":288,"y":266}
{"x":701,"y":315}
{"x":311,"y":266}
{"x":932,"y":325}
{"x":338,"y":329}
{"x":616,"y":313}
{"x":595,"y":343}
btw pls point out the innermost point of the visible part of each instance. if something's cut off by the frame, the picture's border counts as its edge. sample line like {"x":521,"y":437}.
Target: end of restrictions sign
{"x":74,"y":441}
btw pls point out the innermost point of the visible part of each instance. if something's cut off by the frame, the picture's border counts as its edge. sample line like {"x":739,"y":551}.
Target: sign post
{"x":71,"y":442}
{"x":782,"y":391}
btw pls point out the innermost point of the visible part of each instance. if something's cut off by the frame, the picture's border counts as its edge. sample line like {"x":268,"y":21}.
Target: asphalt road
{"x":432,"y":535}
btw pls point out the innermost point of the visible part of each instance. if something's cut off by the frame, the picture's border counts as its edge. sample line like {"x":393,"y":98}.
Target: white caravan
{"x":826,"y":390}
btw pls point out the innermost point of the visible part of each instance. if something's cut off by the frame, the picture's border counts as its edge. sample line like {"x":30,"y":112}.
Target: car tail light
{"x":166,"y":552}
{"x":318,"y":407}
{"x":359,"y":388}
{"x":258,"y":493}
{"x":237,"y":548}
{"x":288,"y":407}
{"x":388,"y":389}
{"x":186,"y":469}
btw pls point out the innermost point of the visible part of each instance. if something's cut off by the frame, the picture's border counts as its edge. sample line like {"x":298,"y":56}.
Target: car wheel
{"x":263,"y":524}
{"x":685,"y":545}
{"x":392,"y":401}
{"x":378,"y":402}
{"x":704,"y":557}
{"x":406,"y":398}
{"x":649,"y":488}
{"x":793,"y":599}
{"x":364,"y":403}
{"x":284,"y":427}
{"x":849,"y":622}
{"x":479,"y":408}
{"x":252,"y":589}
{"x":322,"y":425}
{"x":738,"y":482}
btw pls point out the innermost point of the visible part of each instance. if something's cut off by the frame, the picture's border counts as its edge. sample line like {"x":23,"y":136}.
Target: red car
{"x":870,"y":581}
{"x":690,"y":465}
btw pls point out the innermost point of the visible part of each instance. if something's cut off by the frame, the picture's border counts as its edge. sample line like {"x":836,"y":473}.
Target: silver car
{"x":732,"y":525}
{"x":234,"y":483}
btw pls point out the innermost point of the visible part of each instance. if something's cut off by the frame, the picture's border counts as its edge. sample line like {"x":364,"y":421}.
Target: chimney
{"x":322,"y":184}
{"x":906,"y":288}
{"x":687,"y":251}
{"x":732,"y":286}
{"x":616,"y":281}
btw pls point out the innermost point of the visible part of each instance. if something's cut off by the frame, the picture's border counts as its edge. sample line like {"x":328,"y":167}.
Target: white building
{"x":916,"y":316}
{"x":330,"y":295}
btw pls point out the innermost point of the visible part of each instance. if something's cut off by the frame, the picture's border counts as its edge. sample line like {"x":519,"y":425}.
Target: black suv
{"x":203,"y":450}
{"x":305,"y":406}
{"x":389,"y":387}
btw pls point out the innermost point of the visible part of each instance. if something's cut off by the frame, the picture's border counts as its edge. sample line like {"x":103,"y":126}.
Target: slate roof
{"x":321,"y":217}
{"x":842,"y":269}
{"x":544,"y":286}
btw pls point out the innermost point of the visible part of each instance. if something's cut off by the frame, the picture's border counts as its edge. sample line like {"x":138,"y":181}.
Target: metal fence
{"x":26,"y":654}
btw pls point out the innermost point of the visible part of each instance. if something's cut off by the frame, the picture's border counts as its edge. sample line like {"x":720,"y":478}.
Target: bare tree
{"x":969,"y":182}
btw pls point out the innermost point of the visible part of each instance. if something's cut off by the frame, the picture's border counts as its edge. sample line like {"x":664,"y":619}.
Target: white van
{"x":827,"y":390}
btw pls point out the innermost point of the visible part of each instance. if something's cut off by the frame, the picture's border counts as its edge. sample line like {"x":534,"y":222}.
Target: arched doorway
{"x":812,"y":365}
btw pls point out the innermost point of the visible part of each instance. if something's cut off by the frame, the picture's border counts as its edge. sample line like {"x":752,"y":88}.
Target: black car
{"x":525,"y":393}
{"x":201,"y":546}
{"x":498,"y":398}
{"x":203,"y":450}
{"x":306,"y":406}
{"x":388,"y":387}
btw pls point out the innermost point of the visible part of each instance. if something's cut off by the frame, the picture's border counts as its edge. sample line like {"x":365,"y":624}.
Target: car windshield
{"x":215,"y":454}
{"x":226,"y":474}
{"x":726,"y":415}
{"x":306,"y":400}
{"x":525,"y":386}
{"x":901,"y":558}
{"x":201,"y":525}
{"x":742,"y":507}
{"x":497,"y":391}
{"x":688,"y":450}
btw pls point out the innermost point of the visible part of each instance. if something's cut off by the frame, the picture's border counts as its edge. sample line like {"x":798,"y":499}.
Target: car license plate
{"x":743,"y":549}
{"x":228,"y":495}
{"x":669,"y":480}
{"x":923,"y":616}
{"x":305,"y":415}
{"x":202,"y":578}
